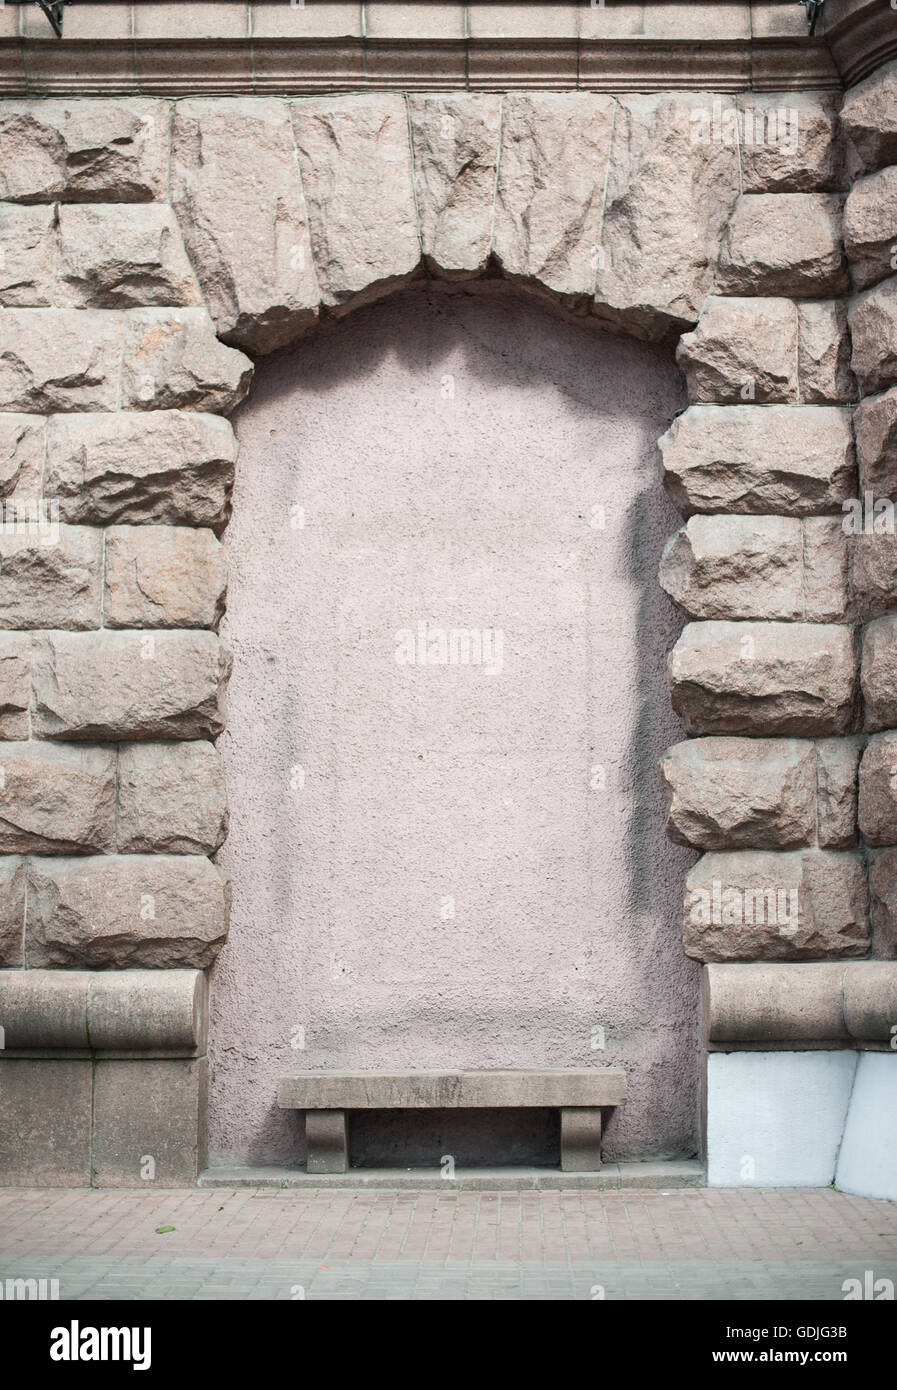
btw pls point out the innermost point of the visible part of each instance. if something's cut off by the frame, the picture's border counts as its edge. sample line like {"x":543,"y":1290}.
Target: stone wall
{"x":148,"y":246}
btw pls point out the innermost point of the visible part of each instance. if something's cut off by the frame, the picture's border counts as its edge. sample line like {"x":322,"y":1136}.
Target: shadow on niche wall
{"x":440,"y":862}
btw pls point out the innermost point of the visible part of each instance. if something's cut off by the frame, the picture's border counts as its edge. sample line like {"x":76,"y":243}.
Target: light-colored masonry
{"x":153,"y":248}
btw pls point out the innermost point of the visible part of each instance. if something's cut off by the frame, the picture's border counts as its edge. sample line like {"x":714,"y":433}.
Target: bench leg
{"x":580,"y":1140}
{"x":326,"y":1138}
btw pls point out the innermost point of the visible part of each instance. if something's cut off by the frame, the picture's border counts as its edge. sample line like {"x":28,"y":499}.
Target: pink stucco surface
{"x":436,"y":864}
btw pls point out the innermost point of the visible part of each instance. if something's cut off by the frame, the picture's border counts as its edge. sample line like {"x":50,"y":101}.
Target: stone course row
{"x":154,"y":911}
{"x":112,"y":686}
{"x":53,"y":575}
{"x":130,"y":798}
{"x":756,"y":793}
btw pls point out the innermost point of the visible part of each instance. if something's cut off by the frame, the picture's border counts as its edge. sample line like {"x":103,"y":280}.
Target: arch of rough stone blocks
{"x":138,"y":272}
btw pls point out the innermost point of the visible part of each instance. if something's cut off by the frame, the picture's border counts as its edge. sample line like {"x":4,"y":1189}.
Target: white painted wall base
{"x":867,"y":1162}
{"x":775,"y":1119}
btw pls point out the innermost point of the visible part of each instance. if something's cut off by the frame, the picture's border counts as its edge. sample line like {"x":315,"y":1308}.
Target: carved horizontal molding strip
{"x":244,"y":66}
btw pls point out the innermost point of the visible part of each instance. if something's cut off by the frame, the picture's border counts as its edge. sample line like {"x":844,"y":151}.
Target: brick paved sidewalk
{"x":689,"y":1244}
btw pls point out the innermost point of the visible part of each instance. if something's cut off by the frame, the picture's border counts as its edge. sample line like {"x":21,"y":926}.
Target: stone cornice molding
{"x":224,"y":47}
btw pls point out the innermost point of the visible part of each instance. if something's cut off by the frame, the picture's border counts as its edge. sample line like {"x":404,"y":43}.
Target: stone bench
{"x":328,"y":1096}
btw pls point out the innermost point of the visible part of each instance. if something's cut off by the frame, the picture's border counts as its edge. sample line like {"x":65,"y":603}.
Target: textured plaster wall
{"x":449,"y":458}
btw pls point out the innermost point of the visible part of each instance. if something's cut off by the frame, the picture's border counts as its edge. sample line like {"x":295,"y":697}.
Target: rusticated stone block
{"x":763,"y":459}
{"x":790,"y":142}
{"x":873,"y":574}
{"x":837,"y":774}
{"x":156,"y":911}
{"x":167,"y":466}
{"x":50,"y":575}
{"x":555,"y":148}
{"x":129,"y":1100}
{"x":878,"y":790}
{"x":12,"y":912}
{"x":670,"y":191}
{"x":164,"y":576}
{"x":59,"y":359}
{"x":172,"y":798}
{"x":878,"y":673}
{"x":122,"y":257}
{"x":27,"y":256}
{"x":455,"y":142}
{"x":737,"y":793}
{"x":735,"y":567}
{"x":784,"y":244}
{"x":869,"y":117}
{"x":875,"y":423}
{"x":742,"y":350}
{"x":21,"y":455}
{"x":870,"y":227}
{"x":126,"y":685}
{"x":873,"y":328}
{"x":759,"y":905}
{"x":106,"y":151}
{"x":776,"y":679}
{"x":355,"y":158}
{"x":56,"y":798}
{"x":266,"y":299}
{"x":824,"y":353}
{"x":172,"y":360}
{"x":883,"y":891}
{"x":15,"y":684}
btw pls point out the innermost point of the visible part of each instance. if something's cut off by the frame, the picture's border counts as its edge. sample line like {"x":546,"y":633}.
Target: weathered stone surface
{"x":56,"y":798}
{"x":27,"y":255}
{"x":740,"y":793}
{"x":167,"y":466}
{"x":837,"y":771}
{"x":555,"y":148}
{"x":163,"y":576}
{"x":122,"y":257}
{"x":50,"y":575}
{"x":875,"y":424}
{"x":869,"y":117}
{"x":15,"y":684}
{"x":824,"y":356}
{"x":870,"y":227}
{"x":355,"y":158}
{"x":125,"y":685}
{"x":455,"y":143}
{"x":825,"y":572}
{"x":670,"y":192}
{"x":263,"y":298}
{"x":157,"y":911}
{"x":790,"y":142}
{"x":762,"y":459}
{"x":59,"y":359}
{"x":765,"y":678}
{"x":883,"y":892}
{"x":878,"y":673}
{"x":127,"y":1103}
{"x":172,"y":360}
{"x":878,"y":790}
{"x":733,"y":567}
{"x":84,"y":151}
{"x":873,"y":575}
{"x":742,"y":350}
{"x":873,"y":329}
{"x":12,"y":912}
{"x":172,"y":798}
{"x":21,"y":455}
{"x":759,"y":905}
{"x":784,"y":244}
